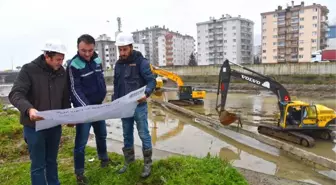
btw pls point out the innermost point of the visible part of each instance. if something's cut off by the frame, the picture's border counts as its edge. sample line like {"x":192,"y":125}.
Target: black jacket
{"x":39,"y":86}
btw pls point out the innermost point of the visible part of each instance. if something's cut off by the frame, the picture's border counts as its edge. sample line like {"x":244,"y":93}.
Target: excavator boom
{"x":170,"y":75}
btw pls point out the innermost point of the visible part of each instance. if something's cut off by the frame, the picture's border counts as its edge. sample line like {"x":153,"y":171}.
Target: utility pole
{"x":119,"y":24}
{"x":12,"y":63}
{"x":117,"y":32}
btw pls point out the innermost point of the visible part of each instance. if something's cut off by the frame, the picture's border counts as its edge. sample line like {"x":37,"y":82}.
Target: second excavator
{"x":298,"y":122}
{"x":187,"y":95}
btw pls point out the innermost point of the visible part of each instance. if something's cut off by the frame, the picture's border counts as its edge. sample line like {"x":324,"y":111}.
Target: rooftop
{"x":296,"y":8}
{"x":225,"y":17}
{"x":156,"y":27}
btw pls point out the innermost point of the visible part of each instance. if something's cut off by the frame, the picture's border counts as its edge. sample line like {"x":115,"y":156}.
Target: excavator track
{"x":186,"y":102}
{"x":291,"y":136}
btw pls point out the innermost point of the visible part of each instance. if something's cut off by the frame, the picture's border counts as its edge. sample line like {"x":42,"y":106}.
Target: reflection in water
{"x":261,"y":108}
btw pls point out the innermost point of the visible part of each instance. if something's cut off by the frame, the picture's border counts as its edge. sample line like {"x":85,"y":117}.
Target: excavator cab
{"x":185,"y":92}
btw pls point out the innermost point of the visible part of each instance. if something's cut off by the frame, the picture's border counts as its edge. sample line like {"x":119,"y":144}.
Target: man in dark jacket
{"x":42,"y":85}
{"x":88,"y":87}
{"x":132,"y":71}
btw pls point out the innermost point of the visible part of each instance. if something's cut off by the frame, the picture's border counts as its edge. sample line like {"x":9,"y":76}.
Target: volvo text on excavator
{"x":298,"y":122}
{"x":186,"y":94}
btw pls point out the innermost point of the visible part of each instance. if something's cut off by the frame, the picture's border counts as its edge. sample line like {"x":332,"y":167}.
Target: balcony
{"x":170,"y":58}
{"x":281,"y":32}
{"x":169,"y":53}
{"x":169,"y":42}
{"x":281,"y":60}
{"x":292,"y":38}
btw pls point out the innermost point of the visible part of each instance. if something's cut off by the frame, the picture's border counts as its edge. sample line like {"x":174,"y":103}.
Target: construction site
{"x":268,"y":132}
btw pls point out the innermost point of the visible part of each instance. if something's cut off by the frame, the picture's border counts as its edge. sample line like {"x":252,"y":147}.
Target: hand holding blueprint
{"x":121,"y":108}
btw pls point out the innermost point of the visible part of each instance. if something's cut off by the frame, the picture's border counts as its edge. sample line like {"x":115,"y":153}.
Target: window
{"x":275,"y":29}
{"x":314,"y":33}
{"x":275,"y":36}
{"x":264,"y":37}
{"x":234,"y":40}
{"x":301,"y":41}
{"x":314,"y":17}
{"x":301,"y":26}
{"x":274,"y":43}
{"x":275,"y":57}
{"x":315,"y":25}
{"x":264,"y":44}
{"x":301,"y":34}
{"x":274,"y":50}
{"x":301,"y":19}
{"x":233,"y":27}
{"x":302,"y":11}
{"x":300,"y":56}
{"x":264,"y":51}
{"x":264,"y":58}
{"x":301,"y":49}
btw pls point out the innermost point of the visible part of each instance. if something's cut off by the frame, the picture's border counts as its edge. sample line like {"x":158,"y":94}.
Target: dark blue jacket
{"x":132,"y":74}
{"x":86,"y":81}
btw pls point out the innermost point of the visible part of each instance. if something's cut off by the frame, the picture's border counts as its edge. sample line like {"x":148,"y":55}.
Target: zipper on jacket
{"x":124,"y":80}
{"x":49,"y":89}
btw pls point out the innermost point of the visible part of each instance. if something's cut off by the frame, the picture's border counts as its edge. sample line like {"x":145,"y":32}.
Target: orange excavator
{"x":298,"y":122}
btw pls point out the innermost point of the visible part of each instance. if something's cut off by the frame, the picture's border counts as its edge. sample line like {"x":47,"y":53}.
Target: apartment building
{"x":293,"y":33}
{"x":331,"y":37}
{"x":175,"y":49}
{"x":225,"y":38}
{"x":106,"y":50}
{"x":164,"y":47}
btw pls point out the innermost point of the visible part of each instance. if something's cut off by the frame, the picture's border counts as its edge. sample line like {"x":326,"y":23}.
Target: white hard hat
{"x":54,"y":45}
{"x":124,"y":39}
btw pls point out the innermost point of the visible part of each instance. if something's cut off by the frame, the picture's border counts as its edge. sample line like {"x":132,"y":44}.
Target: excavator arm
{"x":170,"y":75}
{"x":255,"y":78}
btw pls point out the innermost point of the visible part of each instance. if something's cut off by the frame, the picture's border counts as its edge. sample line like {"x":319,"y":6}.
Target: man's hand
{"x":143,"y":99}
{"x":33,"y":116}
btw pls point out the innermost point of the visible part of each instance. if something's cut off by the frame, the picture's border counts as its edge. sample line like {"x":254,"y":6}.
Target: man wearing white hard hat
{"x":42,"y":85}
{"x":132,"y":71}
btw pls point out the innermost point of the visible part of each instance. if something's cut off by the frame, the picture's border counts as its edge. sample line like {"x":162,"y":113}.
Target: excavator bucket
{"x":226,"y":118}
{"x":158,"y":92}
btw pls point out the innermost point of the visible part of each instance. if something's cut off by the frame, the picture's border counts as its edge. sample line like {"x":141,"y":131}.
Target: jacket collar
{"x":42,"y":63}
{"x":133,"y":57}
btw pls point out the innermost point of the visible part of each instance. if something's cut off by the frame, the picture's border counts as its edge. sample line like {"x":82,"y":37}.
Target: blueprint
{"x":121,"y":108}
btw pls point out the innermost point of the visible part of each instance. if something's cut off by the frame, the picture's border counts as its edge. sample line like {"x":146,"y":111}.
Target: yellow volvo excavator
{"x":298,"y":122}
{"x":186,"y":94}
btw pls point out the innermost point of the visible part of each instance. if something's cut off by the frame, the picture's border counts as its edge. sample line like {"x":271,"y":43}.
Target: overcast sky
{"x":26,"y":24}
